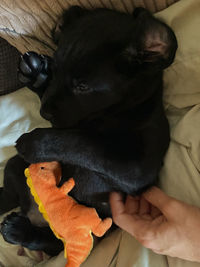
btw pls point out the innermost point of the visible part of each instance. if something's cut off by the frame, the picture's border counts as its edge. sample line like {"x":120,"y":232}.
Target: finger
{"x":157,"y":198}
{"x":132,"y":204}
{"x":144,"y":206}
{"x":117,"y":204}
{"x":133,"y":224}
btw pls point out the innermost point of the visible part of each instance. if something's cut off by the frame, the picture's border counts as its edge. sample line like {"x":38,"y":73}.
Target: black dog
{"x":102,"y":92}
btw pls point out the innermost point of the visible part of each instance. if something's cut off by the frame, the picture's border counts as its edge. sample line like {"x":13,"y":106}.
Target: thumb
{"x":158,"y":199}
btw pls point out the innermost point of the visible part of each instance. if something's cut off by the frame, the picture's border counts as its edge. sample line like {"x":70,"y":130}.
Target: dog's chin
{"x":59,"y":126}
{"x":63,"y":125}
{"x":73,"y":124}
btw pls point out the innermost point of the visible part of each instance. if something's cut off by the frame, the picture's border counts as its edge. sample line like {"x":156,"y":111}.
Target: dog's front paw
{"x":16,"y":229}
{"x":34,"y":69}
{"x":27,"y":146}
{"x":34,"y":146}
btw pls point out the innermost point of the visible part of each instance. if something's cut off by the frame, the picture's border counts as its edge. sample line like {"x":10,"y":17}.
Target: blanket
{"x":180,"y":174}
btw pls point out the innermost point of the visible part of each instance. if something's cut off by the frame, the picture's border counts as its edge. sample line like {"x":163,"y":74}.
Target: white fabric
{"x":19,"y":113}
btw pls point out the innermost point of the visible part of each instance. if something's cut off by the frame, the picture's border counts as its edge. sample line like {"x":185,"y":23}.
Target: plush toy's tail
{"x":77,"y":252}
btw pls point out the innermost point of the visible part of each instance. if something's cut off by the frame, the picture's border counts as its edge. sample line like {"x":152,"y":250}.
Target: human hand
{"x":159,"y":222}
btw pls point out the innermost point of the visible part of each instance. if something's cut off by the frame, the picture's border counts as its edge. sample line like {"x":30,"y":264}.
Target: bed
{"x":26,"y":25}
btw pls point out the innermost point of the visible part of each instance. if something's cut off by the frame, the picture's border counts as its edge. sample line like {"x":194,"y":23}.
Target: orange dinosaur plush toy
{"x":71,"y":222}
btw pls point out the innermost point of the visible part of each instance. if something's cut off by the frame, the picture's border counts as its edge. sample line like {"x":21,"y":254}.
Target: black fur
{"x":103,"y":96}
{"x":17,"y":229}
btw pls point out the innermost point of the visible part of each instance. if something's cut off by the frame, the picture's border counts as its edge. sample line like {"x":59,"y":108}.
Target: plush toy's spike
{"x":71,"y":222}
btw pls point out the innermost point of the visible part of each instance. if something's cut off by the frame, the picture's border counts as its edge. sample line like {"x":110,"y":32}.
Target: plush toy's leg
{"x":17,"y":229}
{"x":102,"y":227}
{"x":67,"y":186}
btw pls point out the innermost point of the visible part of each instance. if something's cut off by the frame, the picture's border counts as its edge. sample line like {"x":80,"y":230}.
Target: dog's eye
{"x":80,"y":87}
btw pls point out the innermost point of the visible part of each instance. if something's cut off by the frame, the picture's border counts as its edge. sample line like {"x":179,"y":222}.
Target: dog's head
{"x":106,"y":62}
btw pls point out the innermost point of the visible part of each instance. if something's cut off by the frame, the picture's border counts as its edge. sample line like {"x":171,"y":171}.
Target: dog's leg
{"x":35,"y":71}
{"x":96,"y":154}
{"x":8,"y":201}
{"x":17,"y":229}
{"x":15,"y":192}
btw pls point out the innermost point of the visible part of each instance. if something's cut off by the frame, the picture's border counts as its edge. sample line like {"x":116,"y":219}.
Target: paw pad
{"x":33,"y":69}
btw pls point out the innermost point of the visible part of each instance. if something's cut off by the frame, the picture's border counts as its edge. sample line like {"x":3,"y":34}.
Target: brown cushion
{"x":9,"y":57}
{"x":129,"y":5}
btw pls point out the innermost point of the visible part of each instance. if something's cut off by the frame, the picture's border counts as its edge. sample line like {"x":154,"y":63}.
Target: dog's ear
{"x":153,"y":43}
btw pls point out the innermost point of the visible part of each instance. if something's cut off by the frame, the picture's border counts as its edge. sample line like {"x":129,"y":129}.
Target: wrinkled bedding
{"x":180,"y":175}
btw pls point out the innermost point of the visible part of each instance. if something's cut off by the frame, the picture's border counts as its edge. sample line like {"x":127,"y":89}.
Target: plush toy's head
{"x":46,"y":172}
